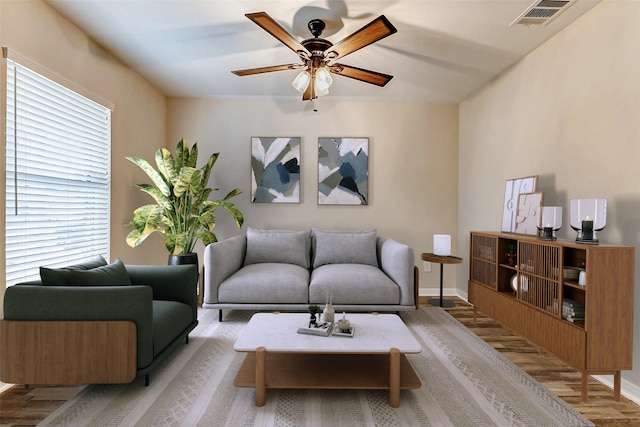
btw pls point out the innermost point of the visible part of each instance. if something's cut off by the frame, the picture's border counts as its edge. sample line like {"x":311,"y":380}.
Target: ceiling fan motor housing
{"x":316,"y":45}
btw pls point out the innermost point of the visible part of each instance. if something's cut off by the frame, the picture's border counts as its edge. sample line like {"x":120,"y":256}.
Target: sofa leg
{"x":146,"y":380}
{"x":220,"y":315}
{"x":186,"y":340}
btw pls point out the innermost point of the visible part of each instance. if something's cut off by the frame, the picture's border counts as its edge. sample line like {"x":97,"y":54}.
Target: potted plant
{"x":182,"y":211}
{"x":314,"y":309}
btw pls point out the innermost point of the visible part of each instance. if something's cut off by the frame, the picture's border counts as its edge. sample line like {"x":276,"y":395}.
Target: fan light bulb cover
{"x":301,"y":82}
{"x":323,"y":81}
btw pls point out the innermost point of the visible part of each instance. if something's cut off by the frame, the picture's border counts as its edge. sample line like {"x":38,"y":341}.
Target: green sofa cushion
{"x":170,"y":319}
{"x":58,"y":276}
{"x":112,"y":274}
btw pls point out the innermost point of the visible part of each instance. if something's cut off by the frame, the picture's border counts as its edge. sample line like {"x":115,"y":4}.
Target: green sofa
{"x":96,"y":326}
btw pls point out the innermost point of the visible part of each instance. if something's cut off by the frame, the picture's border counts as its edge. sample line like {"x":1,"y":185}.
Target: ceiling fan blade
{"x":272,"y":27}
{"x":261,"y":70}
{"x":375,"y":30}
{"x":367,"y":76}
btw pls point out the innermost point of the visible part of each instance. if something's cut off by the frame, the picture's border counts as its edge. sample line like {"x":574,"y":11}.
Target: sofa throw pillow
{"x":58,"y":276}
{"x":344,"y":247}
{"x":278,"y":246}
{"x":107,"y":275}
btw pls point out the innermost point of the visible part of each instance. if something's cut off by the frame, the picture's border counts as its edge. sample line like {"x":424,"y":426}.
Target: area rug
{"x":465,"y":383}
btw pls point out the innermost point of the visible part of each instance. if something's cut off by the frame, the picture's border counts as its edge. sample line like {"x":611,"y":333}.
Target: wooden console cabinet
{"x":538,"y":294}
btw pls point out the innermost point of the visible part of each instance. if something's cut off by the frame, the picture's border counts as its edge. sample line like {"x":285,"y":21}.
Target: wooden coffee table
{"x":279,"y":357}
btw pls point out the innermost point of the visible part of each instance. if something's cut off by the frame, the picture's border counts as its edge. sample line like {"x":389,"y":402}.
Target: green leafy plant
{"x":182,"y":212}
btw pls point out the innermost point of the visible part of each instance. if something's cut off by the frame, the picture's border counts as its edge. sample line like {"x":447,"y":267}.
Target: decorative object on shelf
{"x":582,"y":278}
{"x":511,"y":256}
{"x":343,"y":171}
{"x":528,"y":214}
{"x":588,"y":217}
{"x":182,"y":212}
{"x":550,"y":222}
{"x":275,"y":170}
{"x":313,"y":313}
{"x":442,"y":244}
{"x":514,"y":187}
{"x":514,"y":283}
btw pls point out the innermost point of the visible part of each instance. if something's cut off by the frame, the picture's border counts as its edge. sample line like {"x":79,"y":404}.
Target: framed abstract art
{"x":343,"y":171}
{"x":513,"y":188}
{"x":528,"y":213}
{"x":275,"y":169}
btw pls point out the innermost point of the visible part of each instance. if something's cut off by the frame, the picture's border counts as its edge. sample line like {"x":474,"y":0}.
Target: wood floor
{"x":21,"y":406}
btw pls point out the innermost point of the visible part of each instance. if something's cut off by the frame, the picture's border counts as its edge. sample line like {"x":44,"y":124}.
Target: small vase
{"x":328,"y":314}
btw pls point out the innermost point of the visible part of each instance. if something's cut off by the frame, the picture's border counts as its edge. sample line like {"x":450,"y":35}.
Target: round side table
{"x":442,"y":260}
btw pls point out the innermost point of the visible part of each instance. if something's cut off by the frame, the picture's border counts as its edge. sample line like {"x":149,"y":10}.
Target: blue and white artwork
{"x":343,"y":171}
{"x":275,"y":170}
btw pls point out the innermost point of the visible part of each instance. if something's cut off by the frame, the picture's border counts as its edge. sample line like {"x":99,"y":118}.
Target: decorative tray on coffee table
{"x":337,"y":332}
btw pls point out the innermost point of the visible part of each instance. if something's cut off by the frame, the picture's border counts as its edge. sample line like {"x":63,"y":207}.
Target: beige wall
{"x":33,"y":30}
{"x":412,"y":170}
{"x":570,"y":113}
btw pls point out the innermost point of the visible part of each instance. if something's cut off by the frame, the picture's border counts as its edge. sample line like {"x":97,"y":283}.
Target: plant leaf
{"x":157,"y":195}
{"x":191,"y":159}
{"x":156,"y":178}
{"x":165,"y":161}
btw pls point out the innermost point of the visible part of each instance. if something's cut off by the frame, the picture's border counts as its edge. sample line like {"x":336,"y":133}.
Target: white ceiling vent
{"x":542,"y":12}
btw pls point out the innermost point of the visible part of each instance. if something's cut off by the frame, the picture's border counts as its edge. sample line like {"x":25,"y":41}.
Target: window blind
{"x":58,"y":186}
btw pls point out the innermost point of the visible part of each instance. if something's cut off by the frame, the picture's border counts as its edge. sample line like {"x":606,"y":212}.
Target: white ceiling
{"x":444,"y":50}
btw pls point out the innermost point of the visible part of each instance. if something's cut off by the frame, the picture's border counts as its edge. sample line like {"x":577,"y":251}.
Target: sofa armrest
{"x":397,"y":261}
{"x":221,"y":260}
{"x":169,"y":282}
{"x":44,"y":303}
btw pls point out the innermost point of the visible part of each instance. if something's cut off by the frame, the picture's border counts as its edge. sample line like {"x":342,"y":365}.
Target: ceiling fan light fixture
{"x":323,"y":81}
{"x":319,"y":90}
{"x":301,"y":82}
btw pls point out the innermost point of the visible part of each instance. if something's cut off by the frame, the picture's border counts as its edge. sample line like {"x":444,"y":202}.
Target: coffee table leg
{"x":394,"y":378}
{"x":261,"y":376}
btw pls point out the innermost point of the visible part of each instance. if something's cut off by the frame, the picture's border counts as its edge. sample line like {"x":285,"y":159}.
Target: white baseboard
{"x":629,"y":390}
{"x":435,"y":292}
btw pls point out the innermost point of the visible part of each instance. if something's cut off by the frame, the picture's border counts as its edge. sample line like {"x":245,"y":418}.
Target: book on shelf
{"x":322,"y":329}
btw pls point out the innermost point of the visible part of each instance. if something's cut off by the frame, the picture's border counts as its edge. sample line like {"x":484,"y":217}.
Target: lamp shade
{"x":594,"y":210}
{"x":442,"y":244}
{"x":323,"y":81}
{"x":301,"y":82}
{"x":551,"y":217}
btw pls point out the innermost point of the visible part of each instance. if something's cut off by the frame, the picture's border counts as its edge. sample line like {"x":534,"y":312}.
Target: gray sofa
{"x":96,"y":323}
{"x":288,"y":270}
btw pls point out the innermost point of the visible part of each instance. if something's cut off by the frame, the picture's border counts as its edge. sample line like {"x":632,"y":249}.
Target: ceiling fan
{"x":319,"y":55}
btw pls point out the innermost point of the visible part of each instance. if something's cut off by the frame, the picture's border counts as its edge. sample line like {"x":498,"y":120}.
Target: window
{"x":58,"y":157}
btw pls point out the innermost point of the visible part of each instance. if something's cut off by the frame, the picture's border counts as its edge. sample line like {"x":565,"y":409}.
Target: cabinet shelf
{"x":575,"y":285}
{"x":596,"y":341}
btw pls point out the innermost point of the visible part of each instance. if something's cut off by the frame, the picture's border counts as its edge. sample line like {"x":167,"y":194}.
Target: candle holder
{"x":550,"y":222}
{"x":588,"y":217}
